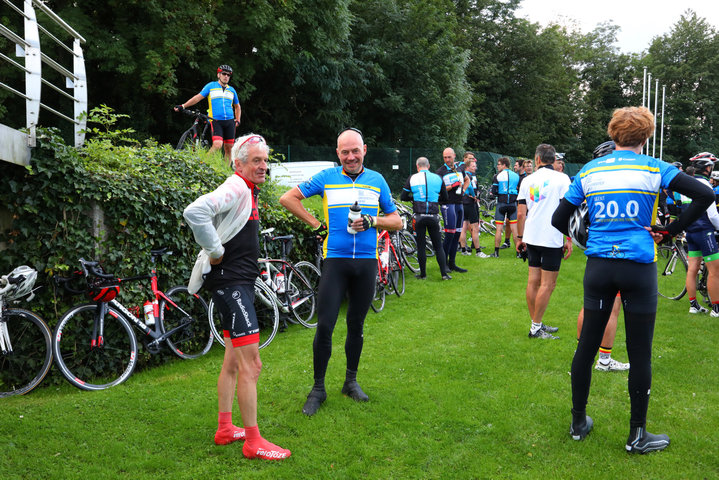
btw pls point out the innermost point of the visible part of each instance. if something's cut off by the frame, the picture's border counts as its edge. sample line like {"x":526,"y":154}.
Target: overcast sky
{"x":640,"y":20}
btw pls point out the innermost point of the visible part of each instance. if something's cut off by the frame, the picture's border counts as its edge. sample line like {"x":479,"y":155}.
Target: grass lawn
{"x":457,"y":391}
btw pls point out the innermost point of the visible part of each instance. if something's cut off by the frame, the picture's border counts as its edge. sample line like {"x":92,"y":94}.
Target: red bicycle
{"x":390,"y":271}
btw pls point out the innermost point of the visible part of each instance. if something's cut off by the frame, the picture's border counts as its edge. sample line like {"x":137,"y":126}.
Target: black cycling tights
{"x":426,"y":223}
{"x":639,"y":329}
{"x":357,"y":278}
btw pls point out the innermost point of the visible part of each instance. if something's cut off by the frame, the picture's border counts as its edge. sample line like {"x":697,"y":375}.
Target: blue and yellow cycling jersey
{"x":425,"y":188}
{"x":221,"y":101}
{"x":338,"y":193}
{"x":622,"y":194}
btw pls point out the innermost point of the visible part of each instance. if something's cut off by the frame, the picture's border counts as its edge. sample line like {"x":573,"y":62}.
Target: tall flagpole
{"x":656,"y":99}
{"x":649,"y":101}
{"x":661,"y":140}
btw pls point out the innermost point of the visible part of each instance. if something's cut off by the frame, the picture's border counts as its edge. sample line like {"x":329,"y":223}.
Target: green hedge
{"x":142,"y":190}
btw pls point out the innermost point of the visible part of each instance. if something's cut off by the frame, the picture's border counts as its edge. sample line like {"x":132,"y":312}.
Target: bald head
{"x":422,"y":163}
{"x":351,"y":151}
{"x":448,"y":156}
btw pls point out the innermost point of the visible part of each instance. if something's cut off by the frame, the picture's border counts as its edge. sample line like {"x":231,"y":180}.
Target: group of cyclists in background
{"x":609,"y":208}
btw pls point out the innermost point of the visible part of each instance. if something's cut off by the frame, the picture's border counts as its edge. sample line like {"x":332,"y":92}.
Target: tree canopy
{"x":409,"y":73}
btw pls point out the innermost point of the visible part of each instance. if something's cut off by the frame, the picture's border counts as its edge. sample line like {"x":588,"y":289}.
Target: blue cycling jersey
{"x":425,"y":188}
{"x":221,"y":100}
{"x":622,"y":194}
{"x":506,"y":185}
{"x":339,"y":192}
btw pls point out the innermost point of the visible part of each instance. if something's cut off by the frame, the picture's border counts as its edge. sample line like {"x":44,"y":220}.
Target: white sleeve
{"x":200,"y":215}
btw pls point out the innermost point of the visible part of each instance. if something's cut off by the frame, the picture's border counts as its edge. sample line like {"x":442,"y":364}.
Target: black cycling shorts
{"x":637,"y":282}
{"x":506,"y":210}
{"x":471,"y":213}
{"x":236,"y":307}
{"x":223,"y":130}
{"x":546,"y":258}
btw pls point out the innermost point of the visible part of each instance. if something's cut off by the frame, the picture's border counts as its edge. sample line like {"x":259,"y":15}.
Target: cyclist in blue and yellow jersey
{"x":622,"y":190}
{"x":701,"y":242}
{"x":426,"y":189}
{"x":505,"y":185}
{"x":224,"y":109}
{"x":350,"y":254}
{"x":471,"y":210}
{"x":455,"y":181}
{"x":225,"y":223}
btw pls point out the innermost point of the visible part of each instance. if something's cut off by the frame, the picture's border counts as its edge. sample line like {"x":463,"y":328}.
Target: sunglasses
{"x":253,"y":139}
{"x":225,"y":73}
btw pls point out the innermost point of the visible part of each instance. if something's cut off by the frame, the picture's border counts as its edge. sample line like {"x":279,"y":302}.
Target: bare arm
{"x":521,"y":218}
{"x":197,"y":98}
{"x":238,"y":112}
{"x":292,"y":201}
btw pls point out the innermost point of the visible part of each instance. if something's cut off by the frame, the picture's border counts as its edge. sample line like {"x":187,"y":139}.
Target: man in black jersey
{"x":456,"y":182}
{"x":225,"y":224}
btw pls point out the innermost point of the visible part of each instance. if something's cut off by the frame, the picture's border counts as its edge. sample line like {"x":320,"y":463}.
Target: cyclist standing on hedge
{"x":225,"y":223}
{"x":224,"y":109}
{"x":350,"y":265}
{"x":621,"y":191}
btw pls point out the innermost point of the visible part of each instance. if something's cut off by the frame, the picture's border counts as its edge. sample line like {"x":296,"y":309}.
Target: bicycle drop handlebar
{"x":196,"y":114}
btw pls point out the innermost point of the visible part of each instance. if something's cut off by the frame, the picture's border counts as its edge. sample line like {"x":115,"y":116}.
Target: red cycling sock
{"x":226,"y":431}
{"x":257,"y":447}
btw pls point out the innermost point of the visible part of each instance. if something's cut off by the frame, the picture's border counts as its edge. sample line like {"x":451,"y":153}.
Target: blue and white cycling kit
{"x":339,"y":192}
{"x":622,"y":194}
{"x":425,"y":187}
{"x":506,"y":186}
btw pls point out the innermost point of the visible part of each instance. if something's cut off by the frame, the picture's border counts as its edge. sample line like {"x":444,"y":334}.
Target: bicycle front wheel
{"x":396,"y":272}
{"x":671,"y":272}
{"x":379,"y":295}
{"x":409,"y":251}
{"x":25,"y":353}
{"x":215,"y":323}
{"x":186,"y":313}
{"x":94,"y":363}
{"x":303,"y":293}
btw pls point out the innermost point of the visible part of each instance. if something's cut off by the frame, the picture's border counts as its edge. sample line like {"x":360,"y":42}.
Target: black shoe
{"x":549,"y":329}
{"x":504,"y":245}
{"x":419,"y":276}
{"x":641,"y":441}
{"x":494,"y":255}
{"x":457,"y":269}
{"x":353,"y":390}
{"x":581,"y":428}
{"x":314,"y":400}
{"x":446,"y":276}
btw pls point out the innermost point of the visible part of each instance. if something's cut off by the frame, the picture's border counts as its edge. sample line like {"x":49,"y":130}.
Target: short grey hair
{"x":242,"y":146}
{"x":422,"y":162}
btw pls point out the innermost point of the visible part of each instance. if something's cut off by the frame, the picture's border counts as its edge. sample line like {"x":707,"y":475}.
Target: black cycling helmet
{"x":604,"y":149}
{"x":678,"y":164}
{"x":224,"y":68}
{"x":703,"y":160}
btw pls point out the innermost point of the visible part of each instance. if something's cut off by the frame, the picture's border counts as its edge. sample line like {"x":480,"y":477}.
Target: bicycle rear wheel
{"x":187,"y":313}
{"x":379,"y":295}
{"x":671,"y":272}
{"x":396,"y":272}
{"x":409,"y":251}
{"x":303,"y":293}
{"x":86,"y":363}
{"x":27,"y":357}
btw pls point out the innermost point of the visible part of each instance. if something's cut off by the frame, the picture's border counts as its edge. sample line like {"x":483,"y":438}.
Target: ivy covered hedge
{"x":142,"y":191}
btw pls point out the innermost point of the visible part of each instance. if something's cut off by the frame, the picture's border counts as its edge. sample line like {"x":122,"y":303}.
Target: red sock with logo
{"x":226,"y":431}
{"x":257,"y":447}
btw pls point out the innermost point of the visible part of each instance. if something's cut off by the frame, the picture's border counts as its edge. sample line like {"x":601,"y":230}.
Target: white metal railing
{"x":14,"y":144}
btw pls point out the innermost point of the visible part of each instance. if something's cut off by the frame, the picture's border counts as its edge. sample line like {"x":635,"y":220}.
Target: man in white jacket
{"x":225,"y":224}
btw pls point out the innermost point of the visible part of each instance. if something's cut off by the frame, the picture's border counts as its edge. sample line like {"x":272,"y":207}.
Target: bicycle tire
{"x":379,"y":296}
{"x":23,"y":368}
{"x":306,"y":290}
{"x":409,"y":251}
{"x":195,"y":338}
{"x":187,"y":140}
{"x":268,"y":315}
{"x":671,"y":272}
{"x":397,"y":272}
{"x":94,"y":367}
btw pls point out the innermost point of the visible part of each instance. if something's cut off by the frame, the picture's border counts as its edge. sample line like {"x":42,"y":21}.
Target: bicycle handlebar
{"x":196,"y":114}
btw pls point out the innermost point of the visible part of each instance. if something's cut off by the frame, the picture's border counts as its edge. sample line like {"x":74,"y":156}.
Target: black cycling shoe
{"x":446,"y":276}
{"x":419,"y":276}
{"x":581,"y":426}
{"x":314,"y":400}
{"x":457,"y":269}
{"x":353,"y":390}
{"x":641,"y":441}
{"x":549,"y":329}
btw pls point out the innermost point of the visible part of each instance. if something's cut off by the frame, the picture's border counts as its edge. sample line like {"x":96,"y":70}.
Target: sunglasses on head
{"x":253,"y":139}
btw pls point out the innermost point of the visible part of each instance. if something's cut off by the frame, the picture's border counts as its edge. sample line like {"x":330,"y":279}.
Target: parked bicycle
{"x":283,"y":292}
{"x":390,"y":272}
{"x":198,"y":136}
{"x":94,"y":344}
{"x":672,"y":268}
{"x":25,"y":345}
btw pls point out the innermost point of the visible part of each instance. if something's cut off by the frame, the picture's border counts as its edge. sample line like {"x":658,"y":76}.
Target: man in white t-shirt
{"x":539,"y":242}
